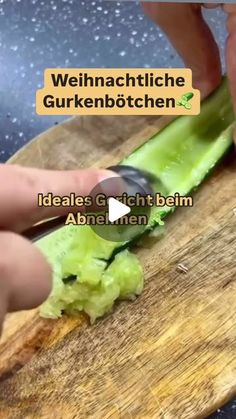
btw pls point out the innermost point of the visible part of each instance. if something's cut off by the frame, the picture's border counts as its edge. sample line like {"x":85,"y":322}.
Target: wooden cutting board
{"x":170,"y":354}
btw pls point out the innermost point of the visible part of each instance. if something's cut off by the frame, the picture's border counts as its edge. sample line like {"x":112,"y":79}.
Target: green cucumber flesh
{"x":180,"y":155}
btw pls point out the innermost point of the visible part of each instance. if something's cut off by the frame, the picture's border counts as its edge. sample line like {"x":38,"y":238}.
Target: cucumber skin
{"x":220,"y":142}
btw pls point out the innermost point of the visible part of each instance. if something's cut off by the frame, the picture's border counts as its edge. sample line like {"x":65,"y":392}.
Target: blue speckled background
{"x":35,"y":34}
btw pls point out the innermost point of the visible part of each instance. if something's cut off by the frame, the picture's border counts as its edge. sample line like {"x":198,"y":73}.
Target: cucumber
{"x":183,"y":153}
{"x":185,"y":99}
{"x":90,"y":273}
{"x":187,"y":96}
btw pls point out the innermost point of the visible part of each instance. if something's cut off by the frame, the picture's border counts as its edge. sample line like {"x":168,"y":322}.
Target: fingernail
{"x":111,"y":184}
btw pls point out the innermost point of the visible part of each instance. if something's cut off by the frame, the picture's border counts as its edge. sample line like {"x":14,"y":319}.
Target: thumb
{"x":25,"y":279}
{"x":20,"y":188}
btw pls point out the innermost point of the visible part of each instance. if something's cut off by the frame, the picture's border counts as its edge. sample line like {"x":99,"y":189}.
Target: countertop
{"x":36,"y":34}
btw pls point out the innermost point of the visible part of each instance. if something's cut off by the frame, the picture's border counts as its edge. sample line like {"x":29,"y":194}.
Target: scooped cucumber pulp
{"x":82,"y":281}
{"x":180,"y":155}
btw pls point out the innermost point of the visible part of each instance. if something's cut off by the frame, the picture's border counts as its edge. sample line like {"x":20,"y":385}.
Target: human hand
{"x":25,"y":275}
{"x":192,"y":38}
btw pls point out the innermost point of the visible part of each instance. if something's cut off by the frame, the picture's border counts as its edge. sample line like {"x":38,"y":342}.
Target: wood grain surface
{"x":170,"y":354}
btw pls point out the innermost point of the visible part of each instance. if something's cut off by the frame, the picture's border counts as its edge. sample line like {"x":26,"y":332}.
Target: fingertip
{"x":42,"y":280}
